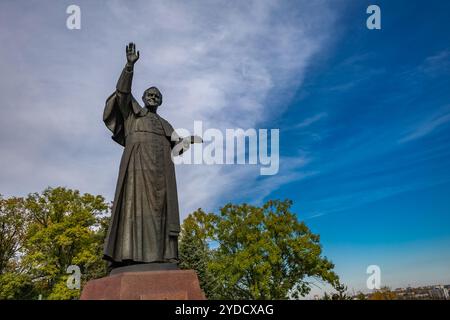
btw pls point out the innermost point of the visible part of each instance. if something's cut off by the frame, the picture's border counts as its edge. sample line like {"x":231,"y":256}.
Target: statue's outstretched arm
{"x":126,"y":78}
{"x":181,"y":145}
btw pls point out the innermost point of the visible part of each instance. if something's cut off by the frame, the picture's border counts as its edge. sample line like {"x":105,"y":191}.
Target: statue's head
{"x":152,"y":97}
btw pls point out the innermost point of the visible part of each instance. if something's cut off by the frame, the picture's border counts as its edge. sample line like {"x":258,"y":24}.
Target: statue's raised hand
{"x":132,"y":54}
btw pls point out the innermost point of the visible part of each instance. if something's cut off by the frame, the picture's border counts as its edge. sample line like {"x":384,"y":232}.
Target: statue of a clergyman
{"x":145,"y":221}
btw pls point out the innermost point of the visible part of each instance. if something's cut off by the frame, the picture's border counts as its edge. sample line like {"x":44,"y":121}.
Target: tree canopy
{"x":45,"y":234}
{"x":254,"y":252}
{"x":241,"y":252}
{"x":12,"y":231}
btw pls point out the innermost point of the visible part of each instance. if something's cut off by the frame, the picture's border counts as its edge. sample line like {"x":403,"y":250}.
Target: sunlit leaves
{"x":59,"y":227}
{"x":258,"y":252}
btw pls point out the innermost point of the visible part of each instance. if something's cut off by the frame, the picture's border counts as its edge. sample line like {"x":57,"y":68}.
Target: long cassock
{"x":145,"y":220}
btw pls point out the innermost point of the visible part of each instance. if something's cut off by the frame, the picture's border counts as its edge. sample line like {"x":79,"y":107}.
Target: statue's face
{"x":152,"y":98}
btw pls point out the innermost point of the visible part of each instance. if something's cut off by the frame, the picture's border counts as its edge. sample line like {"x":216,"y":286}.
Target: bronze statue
{"x":145,"y":221}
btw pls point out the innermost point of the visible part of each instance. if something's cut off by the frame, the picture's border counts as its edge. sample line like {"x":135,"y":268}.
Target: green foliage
{"x":60,"y":290}
{"x":12,"y":229}
{"x":16,"y":286}
{"x":384,"y":293}
{"x":244,"y":252}
{"x":262,"y":252}
{"x":360,"y":296}
{"x":340,"y":294}
{"x":194,"y":252}
{"x":58,"y":228}
{"x":64,"y":231}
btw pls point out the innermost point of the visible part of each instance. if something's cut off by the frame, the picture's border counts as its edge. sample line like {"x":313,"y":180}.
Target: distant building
{"x":439,"y":293}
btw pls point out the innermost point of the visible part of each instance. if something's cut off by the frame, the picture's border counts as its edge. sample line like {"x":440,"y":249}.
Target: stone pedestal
{"x":147,"y":285}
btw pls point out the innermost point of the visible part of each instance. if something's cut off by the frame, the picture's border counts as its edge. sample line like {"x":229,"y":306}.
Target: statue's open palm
{"x":132,"y":54}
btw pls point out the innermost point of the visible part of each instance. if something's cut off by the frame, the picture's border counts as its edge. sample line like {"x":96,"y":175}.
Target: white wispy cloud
{"x":225,"y":63}
{"x":436,"y":64}
{"x":357,"y":198}
{"x":428,"y":126}
{"x":309,"y":121}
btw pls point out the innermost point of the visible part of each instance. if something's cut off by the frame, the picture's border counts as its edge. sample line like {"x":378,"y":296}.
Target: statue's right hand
{"x":132,"y":55}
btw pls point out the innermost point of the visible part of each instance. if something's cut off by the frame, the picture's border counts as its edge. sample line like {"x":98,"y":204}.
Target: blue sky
{"x":364,"y":115}
{"x":378,"y":111}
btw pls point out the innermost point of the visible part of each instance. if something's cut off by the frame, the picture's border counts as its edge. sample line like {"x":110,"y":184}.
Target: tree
{"x":12,"y":229}
{"x":340,"y":294}
{"x":194,"y":251}
{"x":384,"y":293}
{"x":15,"y":286}
{"x":64,"y":229}
{"x":260,"y":252}
{"x":360,"y":296}
{"x":13,"y":223}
